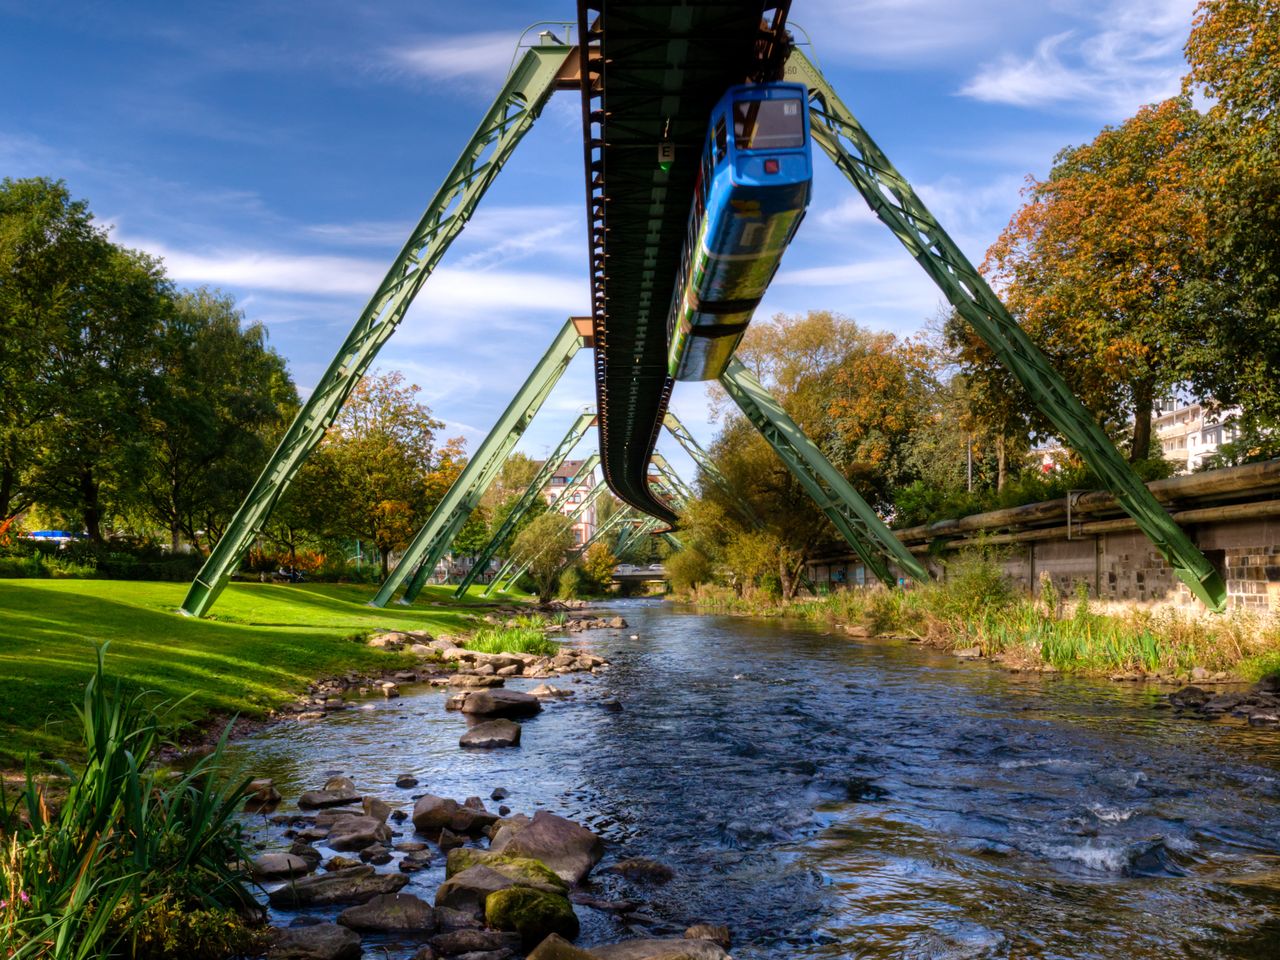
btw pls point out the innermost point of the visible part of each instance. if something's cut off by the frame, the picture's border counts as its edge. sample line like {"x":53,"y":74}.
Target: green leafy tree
{"x":219,"y":401}
{"x":598,"y":564}
{"x":381,"y":472}
{"x":543,"y":545}
{"x":92,"y":451}
{"x":51,"y":259}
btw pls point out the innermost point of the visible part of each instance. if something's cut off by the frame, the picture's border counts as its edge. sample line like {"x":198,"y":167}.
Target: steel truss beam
{"x":510,"y":117}
{"x":527,"y":499}
{"x":433,"y":540}
{"x":894,"y":201}
{"x":632,"y":536}
{"x":853,"y":517}
{"x":588,"y":501}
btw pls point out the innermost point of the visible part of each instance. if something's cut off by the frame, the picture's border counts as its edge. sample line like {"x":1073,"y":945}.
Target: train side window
{"x":722,"y":141}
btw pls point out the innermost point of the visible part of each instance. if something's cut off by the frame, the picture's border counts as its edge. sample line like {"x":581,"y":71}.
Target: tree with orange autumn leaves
{"x":1096,"y":266}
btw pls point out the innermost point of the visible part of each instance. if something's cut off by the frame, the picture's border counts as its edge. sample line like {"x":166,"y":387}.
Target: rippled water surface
{"x":835,"y":798}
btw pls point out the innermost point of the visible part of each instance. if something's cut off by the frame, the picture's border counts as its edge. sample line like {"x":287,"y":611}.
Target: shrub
{"x":76,"y":881}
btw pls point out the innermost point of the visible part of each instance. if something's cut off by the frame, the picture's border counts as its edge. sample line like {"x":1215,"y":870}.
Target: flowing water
{"x":835,"y":798}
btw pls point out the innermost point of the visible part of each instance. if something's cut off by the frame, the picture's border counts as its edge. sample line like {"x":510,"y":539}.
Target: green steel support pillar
{"x":527,"y":499}
{"x":674,"y":483}
{"x":594,"y":494}
{"x":707,"y":465}
{"x":523,"y":96}
{"x":422,"y":555}
{"x":629,"y":537}
{"x":894,"y":201}
{"x":852,"y":516}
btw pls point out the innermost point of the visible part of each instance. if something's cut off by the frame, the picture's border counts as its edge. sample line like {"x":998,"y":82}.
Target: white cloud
{"x":451,"y":288}
{"x":467,"y":56}
{"x":1124,"y":55}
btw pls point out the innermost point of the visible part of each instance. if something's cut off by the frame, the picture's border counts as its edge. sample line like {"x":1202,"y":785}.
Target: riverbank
{"x":977,"y":613}
{"x":256,"y":655}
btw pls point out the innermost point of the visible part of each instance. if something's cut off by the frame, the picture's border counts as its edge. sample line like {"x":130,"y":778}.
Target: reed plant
{"x":90,"y":875}
{"x":518,"y":638}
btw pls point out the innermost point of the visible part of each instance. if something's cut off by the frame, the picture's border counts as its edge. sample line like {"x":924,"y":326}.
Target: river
{"x":826,"y":797}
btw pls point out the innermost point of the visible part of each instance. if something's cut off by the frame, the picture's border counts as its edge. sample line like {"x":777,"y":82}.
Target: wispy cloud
{"x":1124,"y":55}
{"x":466,"y":57}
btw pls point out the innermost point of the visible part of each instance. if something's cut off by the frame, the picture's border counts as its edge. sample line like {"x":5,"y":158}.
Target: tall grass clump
{"x":132,"y":862}
{"x":519,"y":638}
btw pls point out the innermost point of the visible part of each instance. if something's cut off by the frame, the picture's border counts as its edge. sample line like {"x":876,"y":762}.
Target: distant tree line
{"x":139,"y":414}
{"x":1146,"y":264}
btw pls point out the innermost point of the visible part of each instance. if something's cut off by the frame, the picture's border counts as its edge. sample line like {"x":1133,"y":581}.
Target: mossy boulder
{"x":534,"y":914}
{"x":521,"y":870}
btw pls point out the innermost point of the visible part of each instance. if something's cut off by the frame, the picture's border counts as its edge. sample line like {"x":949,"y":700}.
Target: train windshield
{"x":768,"y":124}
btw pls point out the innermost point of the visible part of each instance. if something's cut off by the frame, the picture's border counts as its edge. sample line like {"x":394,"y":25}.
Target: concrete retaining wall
{"x":1124,"y":567}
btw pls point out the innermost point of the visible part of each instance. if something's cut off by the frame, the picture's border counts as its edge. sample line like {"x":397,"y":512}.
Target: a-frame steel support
{"x":861,"y":527}
{"x":432,"y":541}
{"x":635,"y":534}
{"x":707,"y":465}
{"x":894,"y":201}
{"x":512,"y":570}
{"x":527,"y":499}
{"x":674,"y":483}
{"x":523,"y":96}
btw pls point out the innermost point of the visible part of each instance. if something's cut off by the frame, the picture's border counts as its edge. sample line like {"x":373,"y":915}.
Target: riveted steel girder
{"x":870,"y":538}
{"x":512,"y":570}
{"x":893,"y":200}
{"x":523,"y":96}
{"x":527,"y":499}
{"x":431,"y":542}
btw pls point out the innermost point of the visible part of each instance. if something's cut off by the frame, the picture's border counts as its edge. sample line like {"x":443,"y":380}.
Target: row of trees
{"x":1146,"y":264}
{"x":132,"y":409}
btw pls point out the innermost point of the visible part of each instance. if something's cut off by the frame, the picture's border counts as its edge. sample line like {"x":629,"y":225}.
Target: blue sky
{"x":282,"y":151}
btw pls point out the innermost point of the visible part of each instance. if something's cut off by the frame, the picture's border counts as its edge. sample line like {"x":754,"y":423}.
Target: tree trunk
{"x":1143,"y":401}
{"x":175,"y":535}
{"x":1002,"y":464}
{"x":384,"y":555}
{"x":92,"y":508}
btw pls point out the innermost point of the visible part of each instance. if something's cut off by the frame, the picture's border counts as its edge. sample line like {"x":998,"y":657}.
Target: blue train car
{"x":750,"y":197}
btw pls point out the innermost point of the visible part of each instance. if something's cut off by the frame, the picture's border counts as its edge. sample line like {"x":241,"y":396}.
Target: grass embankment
{"x":258,"y":651}
{"x":978,"y":607}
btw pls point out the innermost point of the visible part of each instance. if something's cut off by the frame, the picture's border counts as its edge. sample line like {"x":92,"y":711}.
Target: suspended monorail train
{"x":751,"y":194}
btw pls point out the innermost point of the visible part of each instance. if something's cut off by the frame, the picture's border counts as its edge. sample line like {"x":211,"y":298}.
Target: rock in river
{"x":391,"y":913}
{"x":432,"y":813}
{"x":492,"y":733}
{"x":567,"y":848}
{"x":521,"y":870}
{"x":501,"y":703}
{"x":353,"y":885}
{"x":356,"y":833}
{"x":534,"y":914}
{"x":467,"y":891}
{"x":278,"y":866}
{"x":320,"y":941}
{"x":659,"y":950}
{"x":315,"y":799}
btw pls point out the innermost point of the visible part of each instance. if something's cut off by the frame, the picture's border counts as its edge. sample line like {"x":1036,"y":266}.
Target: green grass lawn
{"x":258,"y":650}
